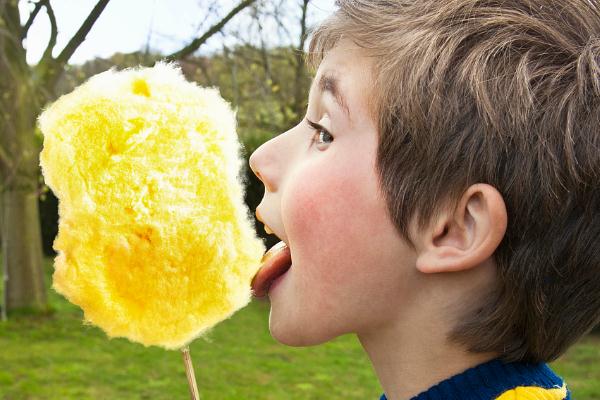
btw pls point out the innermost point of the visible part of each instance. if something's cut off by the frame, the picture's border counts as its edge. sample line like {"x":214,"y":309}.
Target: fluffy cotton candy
{"x":155,"y":242}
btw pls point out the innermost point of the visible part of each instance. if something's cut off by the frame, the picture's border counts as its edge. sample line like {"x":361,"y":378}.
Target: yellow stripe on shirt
{"x":534,"y":393}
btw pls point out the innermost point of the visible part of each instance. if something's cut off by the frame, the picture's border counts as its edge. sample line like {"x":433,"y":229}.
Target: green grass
{"x":57,"y":357}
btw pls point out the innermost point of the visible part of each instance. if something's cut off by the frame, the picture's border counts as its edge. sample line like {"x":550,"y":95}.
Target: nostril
{"x":252,"y":164}
{"x":261,"y":164}
{"x":255,"y":169}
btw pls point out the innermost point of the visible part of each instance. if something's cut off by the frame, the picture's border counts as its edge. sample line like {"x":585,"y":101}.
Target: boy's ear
{"x":463,"y":238}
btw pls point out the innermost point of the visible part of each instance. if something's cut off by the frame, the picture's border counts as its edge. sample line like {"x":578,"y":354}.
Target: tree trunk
{"x":21,"y":233}
{"x":3,"y":263}
{"x":19,"y":172}
{"x":22,"y":251}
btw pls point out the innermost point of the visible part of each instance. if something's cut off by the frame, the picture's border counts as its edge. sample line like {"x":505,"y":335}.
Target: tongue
{"x":276,"y":262}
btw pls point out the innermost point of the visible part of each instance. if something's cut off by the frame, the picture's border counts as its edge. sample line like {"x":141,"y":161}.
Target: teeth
{"x":268,"y":230}
{"x":272,"y":251}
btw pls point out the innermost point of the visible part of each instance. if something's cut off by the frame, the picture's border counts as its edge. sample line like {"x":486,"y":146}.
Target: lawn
{"x":57,"y":357}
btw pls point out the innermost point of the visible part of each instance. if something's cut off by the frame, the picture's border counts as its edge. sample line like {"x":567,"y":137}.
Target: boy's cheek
{"x":324,"y":218}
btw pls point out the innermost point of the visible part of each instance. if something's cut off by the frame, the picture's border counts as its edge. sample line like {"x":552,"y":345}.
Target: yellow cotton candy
{"x":155,"y":243}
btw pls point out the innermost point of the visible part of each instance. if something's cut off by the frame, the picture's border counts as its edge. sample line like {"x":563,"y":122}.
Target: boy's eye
{"x":322,"y":136}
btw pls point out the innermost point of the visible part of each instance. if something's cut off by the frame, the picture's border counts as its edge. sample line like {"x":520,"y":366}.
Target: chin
{"x":298,"y":335}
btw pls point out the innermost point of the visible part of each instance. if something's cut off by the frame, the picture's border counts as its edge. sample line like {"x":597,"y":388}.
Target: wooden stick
{"x":189,"y":371}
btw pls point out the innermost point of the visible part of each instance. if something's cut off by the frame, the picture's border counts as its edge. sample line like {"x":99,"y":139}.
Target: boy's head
{"x":481,"y":112}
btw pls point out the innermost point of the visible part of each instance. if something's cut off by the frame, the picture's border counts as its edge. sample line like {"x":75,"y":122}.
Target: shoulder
{"x":535,"y":393}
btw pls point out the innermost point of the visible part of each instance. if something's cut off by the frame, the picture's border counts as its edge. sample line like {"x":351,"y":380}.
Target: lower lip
{"x":277,"y":280}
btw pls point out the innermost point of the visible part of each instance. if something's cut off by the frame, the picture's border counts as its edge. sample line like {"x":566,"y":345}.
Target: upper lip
{"x":259,"y":217}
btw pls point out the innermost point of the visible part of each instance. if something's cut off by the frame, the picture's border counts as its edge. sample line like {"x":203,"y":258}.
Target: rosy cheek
{"x":323,"y":210}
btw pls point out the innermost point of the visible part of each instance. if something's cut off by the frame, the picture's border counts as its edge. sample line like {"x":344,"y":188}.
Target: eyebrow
{"x":329,"y":83}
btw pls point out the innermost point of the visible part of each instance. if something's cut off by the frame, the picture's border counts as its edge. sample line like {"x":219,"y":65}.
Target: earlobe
{"x":465,"y":237}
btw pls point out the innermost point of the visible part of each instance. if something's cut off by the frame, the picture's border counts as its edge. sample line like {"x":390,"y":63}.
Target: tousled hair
{"x":503,"y":92}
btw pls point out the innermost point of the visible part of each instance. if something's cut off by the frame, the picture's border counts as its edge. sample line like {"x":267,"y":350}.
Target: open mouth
{"x":276,"y":262}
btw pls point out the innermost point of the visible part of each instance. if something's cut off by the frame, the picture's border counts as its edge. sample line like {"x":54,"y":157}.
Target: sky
{"x":130,"y":25}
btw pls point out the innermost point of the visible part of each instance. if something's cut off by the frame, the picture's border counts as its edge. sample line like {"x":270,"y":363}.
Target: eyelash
{"x":320,"y":131}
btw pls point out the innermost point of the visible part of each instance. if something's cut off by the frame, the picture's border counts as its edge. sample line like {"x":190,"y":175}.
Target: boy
{"x":441,"y":198}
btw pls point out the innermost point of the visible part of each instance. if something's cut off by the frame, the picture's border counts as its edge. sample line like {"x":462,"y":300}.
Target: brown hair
{"x":505,"y":93}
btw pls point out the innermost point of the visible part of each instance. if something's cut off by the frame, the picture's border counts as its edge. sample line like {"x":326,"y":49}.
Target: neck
{"x":409,"y":362}
{"x":410,"y":350}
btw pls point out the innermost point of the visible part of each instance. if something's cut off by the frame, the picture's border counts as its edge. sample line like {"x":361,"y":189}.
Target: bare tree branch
{"x":196,"y":43}
{"x":276,"y":15}
{"x":212,"y":7}
{"x":149,"y":35}
{"x":12,"y":47}
{"x":80,"y":35}
{"x":48,"y":70}
{"x":264,"y":53}
{"x":303,"y":26}
{"x":283,"y":28}
{"x":5,"y":160}
{"x":201,"y":62}
{"x":53,"y":31}
{"x":299,"y":95}
{"x":34,"y":13}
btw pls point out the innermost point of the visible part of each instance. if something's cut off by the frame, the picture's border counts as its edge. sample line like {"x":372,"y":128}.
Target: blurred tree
{"x":281,"y":77}
{"x":24,"y":90}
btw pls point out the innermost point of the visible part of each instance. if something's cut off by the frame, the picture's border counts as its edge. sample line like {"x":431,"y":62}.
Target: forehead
{"x":345,"y":74}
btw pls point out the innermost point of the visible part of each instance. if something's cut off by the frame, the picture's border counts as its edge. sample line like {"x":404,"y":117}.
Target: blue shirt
{"x":490,"y":380}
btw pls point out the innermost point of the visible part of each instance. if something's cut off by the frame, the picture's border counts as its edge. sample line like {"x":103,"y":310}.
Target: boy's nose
{"x":262,"y":164}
